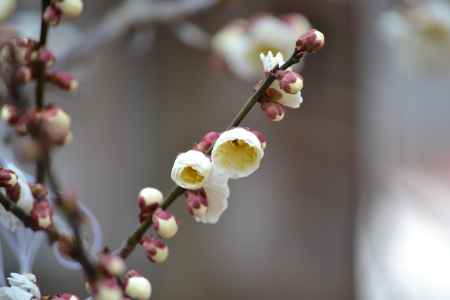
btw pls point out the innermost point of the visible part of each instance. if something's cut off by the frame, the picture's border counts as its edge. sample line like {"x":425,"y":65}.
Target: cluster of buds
{"x":134,"y":286}
{"x":157,"y":251}
{"x":51,"y":124}
{"x":59,"y":8}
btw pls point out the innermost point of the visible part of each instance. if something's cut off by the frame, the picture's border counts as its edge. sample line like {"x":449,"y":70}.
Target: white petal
{"x":23,"y":282}
{"x":269,"y":61}
{"x":217,"y":193}
{"x":195,"y":160}
{"x":237,"y":164}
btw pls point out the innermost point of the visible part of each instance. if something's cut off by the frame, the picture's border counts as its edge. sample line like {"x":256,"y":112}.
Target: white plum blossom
{"x":6,"y":8}
{"x":237,"y":153}
{"x":191,"y":169}
{"x":276,"y":93}
{"x":22,"y":287}
{"x":240,"y":43}
{"x":420,"y":33}
{"x":217,"y":194}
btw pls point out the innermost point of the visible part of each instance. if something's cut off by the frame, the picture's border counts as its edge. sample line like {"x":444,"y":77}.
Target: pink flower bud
{"x":63,"y":80}
{"x":39,"y":191}
{"x":197,"y":203}
{"x":207,"y":141}
{"x":112,"y":264}
{"x":9,"y":114}
{"x":108,"y":289}
{"x":261,"y":137}
{"x":274,"y":111}
{"x":149,"y":199}
{"x":291,"y":82}
{"x":312,"y":41}
{"x":8,"y":178}
{"x":52,"y":15}
{"x":64,"y":296}
{"x":137,"y":287}
{"x":41,"y":215}
{"x":56,"y":124}
{"x":24,"y":48}
{"x":165,"y":224}
{"x":157,"y":250}
{"x":44,"y":56}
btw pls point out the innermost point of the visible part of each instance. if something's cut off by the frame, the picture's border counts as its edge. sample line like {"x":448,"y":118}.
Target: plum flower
{"x":22,"y":287}
{"x":420,"y":33}
{"x":286,"y":89}
{"x":240,"y":43}
{"x":237,"y":153}
{"x":191,"y":169}
{"x":217,"y":193}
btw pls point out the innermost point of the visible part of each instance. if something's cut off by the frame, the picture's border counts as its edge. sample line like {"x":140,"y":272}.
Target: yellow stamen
{"x":190,"y":175}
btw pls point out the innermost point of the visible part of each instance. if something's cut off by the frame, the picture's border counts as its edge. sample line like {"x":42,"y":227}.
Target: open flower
{"x":191,"y":169}
{"x":286,"y":90}
{"x":237,"y":153}
{"x":217,"y":193}
{"x":22,"y":287}
{"x":240,"y":43}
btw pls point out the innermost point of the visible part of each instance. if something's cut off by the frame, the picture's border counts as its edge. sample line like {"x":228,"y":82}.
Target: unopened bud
{"x":164,"y":224}
{"x":8,"y":178}
{"x":70,"y":8}
{"x":39,"y":191}
{"x":63,"y":80}
{"x":312,"y":41}
{"x":137,"y":287}
{"x":149,"y":199}
{"x":197,"y":203}
{"x":56,"y":124}
{"x":41,"y":215}
{"x":108,"y":289}
{"x":261,"y":137}
{"x":157,"y":250}
{"x":207,"y":141}
{"x":112,"y":264}
{"x":9,"y":114}
{"x":52,"y":15}
{"x":274,"y":111}
{"x":44,"y":56}
{"x":64,"y":296}
{"x":291,"y":82}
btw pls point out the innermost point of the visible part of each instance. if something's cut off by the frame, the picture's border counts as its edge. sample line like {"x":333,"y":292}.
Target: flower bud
{"x":112,"y":264}
{"x":52,"y":15}
{"x":64,"y":296}
{"x":165,"y":224}
{"x":63,"y":80}
{"x":44,"y":56}
{"x":312,"y":41}
{"x":70,"y":8}
{"x":108,"y":289}
{"x":24,"y":74}
{"x":274,"y":111}
{"x":39,"y":191}
{"x":9,"y":114}
{"x":197,"y":203}
{"x":157,"y":250}
{"x":191,"y":169}
{"x":41,"y":215}
{"x":149,"y":199}
{"x":291,"y":82}
{"x":56,"y":124}
{"x":137,"y":287}
{"x":261,"y":137}
{"x":207,"y":141}
{"x":8,"y":178}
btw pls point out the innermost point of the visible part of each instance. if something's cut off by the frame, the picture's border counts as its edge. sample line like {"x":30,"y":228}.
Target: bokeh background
{"x":323,"y":217}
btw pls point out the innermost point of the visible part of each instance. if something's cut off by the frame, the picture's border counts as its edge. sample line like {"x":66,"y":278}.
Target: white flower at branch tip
{"x":22,"y":287}
{"x":7,"y":7}
{"x":237,"y":153}
{"x":240,"y":43}
{"x":191,"y":169}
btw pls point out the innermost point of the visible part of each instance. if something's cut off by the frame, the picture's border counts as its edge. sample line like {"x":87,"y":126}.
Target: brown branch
{"x":130,"y":244}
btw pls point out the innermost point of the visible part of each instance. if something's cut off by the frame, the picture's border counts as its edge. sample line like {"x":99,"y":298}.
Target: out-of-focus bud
{"x":41,"y":215}
{"x":9,"y":114}
{"x":108,"y":289}
{"x":112,"y":264}
{"x":56,"y":124}
{"x":261,"y":137}
{"x":274,"y":111}
{"x":312,"y":41}
{"x":24,"y":49}
{"x":39,"y":191}
{"x":207,"y":141}
{"x":197,"y":203}
{"x":157,"y":250}
{"x":291,"y":82}
{"x":70,"y":8}
{"x":137,"y":287}
{"x":8,"y":178}
{"x":149,"y":199}
{"x":63,"y":80}
{"x":165,"y":224}
{"x":44,"y":56}
{"x":52,"y":15}
{"x":24,"y":74}
{"x":6,"y":8}
{"x":64,"y":296}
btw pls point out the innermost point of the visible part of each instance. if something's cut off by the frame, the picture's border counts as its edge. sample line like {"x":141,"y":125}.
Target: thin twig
{"x":128,"y":247}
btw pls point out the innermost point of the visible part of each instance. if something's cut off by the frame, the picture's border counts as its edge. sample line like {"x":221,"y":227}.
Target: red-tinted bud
{"x":291,"y":82}
{"x":261,"y":137}
{"x":52,"y":15}
{"x":157,"y":250}
{"x":112,"y":264}
{"x":44,"y":56}
{"x":165,"y":224}
{"x":63,"y":80}
{"x":64,"y":296}
{"x":274,"y":111}
{"x":108,"y":289}
{"x":197,"y":203}
{"x":39,"y":191}
{"x":41,"y":215}
{"x":312,"y":41}
{"x":136,"y":286}
{"x":207,"y":141}
{"x":9,"y":114}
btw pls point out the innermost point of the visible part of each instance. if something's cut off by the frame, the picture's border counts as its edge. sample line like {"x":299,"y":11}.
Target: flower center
{"x":192,"y":176}
{"x":237,"y":155}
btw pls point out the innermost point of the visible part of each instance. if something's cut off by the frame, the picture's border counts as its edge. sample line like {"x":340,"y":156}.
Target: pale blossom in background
{"x":22,"y":287}
{"x":7,"y":7}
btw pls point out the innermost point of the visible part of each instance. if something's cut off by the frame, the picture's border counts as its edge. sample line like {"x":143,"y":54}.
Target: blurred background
{"x":350,"y":202}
